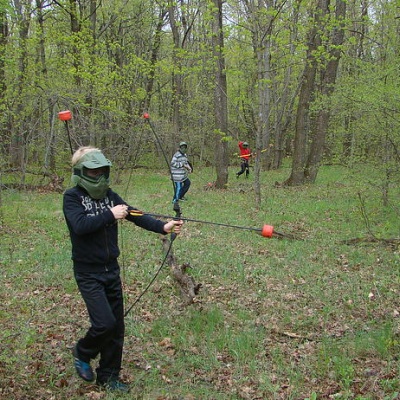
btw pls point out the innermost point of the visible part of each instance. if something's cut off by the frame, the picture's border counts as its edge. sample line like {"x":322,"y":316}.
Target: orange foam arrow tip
{"x":267,"y":231}
{"x":65,"y":115}
{"x":146,"y":116}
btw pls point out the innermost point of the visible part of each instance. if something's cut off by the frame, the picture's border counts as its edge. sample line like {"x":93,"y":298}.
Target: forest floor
{"x":310,"y":315}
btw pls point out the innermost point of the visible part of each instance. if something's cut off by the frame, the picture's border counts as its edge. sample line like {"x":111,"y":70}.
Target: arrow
{"x":266,"y":231}
{"x":249,"y":155}
{"x":66,"y":116}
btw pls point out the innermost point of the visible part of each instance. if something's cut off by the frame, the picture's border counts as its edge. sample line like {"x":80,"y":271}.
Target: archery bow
{"x":66,"y":116}
{"x":249,"y":155}
{"x":176,"y":208}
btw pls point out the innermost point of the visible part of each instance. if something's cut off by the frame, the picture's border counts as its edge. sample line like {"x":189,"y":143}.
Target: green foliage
{"x":115,"y":62}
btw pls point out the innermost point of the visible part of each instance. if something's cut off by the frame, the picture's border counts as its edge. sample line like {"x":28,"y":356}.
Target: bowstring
{"x":177,"y":210}
{"x":122,"y":243}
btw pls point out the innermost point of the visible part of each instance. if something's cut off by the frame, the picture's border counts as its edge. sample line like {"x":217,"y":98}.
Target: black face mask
{"x":96,"y":178}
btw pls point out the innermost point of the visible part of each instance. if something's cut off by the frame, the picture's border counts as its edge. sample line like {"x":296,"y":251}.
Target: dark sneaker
{"x":83,"y":368}
{"x":183,"y":199}
{"x":114,"y":386}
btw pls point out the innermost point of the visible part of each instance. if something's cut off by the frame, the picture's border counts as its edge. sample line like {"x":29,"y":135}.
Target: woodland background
{"x":315,"y":80}
{"x":313,"y":86}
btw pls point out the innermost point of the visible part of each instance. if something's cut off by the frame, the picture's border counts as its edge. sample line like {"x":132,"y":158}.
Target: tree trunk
{"x":75,"y":28}
{"x":153,"y":60}
{"x":302,"y":124}
{"x":297,"y":176}
{"x":327,"y":88}
{"x":220,"y":100}
{"x":285,"y":99}
{"x":17,"y":146}
{"x":176,"y":73}
{"x":263,"y":111}
{"x":3,"y":41}
{"x":49,"y":158}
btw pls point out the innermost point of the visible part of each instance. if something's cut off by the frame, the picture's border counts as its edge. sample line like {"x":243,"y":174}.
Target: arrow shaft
{"x":205,"y":222}
{"x":69,"y":137}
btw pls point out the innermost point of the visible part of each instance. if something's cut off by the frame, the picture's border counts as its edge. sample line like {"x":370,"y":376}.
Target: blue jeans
{"x":102,"y":293}
{"x":181,"y":189}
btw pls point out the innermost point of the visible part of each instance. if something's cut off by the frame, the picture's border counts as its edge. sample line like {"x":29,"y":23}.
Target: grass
{"x":275,"y":319}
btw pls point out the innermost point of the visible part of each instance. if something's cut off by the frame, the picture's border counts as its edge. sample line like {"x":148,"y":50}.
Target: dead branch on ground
{"x":186,"y":283}
{"x":371,"y":238}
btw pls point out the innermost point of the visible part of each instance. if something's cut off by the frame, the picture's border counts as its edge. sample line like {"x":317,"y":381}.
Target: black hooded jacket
{"x":94,"y":230}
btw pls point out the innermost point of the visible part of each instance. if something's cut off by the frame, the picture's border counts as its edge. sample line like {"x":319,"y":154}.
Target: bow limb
{"x":178,"y":215}
{"x":147,"y":119}
{"x":176,"y":206}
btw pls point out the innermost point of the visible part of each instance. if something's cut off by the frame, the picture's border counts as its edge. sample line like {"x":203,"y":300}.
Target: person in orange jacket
{"x":245,"y":154}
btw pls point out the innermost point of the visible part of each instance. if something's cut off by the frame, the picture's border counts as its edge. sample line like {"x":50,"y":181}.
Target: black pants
{"x":102,"y":293}
{"x":244,"y":167}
